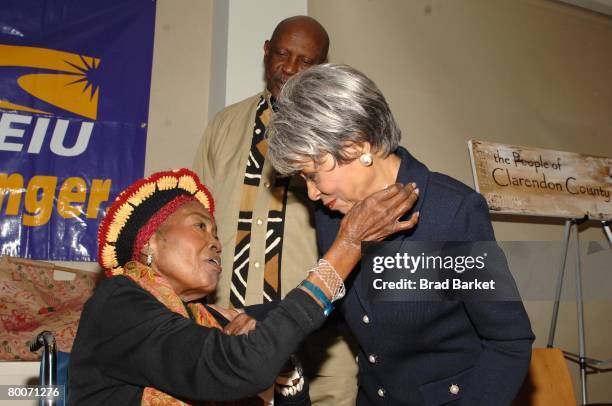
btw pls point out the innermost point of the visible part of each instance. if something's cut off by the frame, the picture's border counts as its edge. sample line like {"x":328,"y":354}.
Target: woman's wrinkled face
{"x":338,"y":186}
{"x":186,"y":251}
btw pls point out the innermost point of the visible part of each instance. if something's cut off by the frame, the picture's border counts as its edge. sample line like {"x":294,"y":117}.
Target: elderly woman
{"x":144,"y":340}
{"x":334,"y":127}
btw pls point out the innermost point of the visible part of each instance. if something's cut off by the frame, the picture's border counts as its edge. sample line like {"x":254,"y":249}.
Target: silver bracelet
{"x":330,"y":278}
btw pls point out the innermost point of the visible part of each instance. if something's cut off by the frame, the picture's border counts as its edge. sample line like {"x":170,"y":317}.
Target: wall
{"x":250,"y":24}
{"x":180,"y":82}
{"x":526,"y":72}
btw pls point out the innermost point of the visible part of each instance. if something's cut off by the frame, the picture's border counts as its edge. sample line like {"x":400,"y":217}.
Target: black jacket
{"x":128,"y":340}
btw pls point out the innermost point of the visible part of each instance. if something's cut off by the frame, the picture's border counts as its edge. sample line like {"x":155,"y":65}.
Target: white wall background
{"x":250,"y":24}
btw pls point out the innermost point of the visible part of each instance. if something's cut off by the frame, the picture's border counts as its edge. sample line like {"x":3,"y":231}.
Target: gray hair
{"x":323,"y":109}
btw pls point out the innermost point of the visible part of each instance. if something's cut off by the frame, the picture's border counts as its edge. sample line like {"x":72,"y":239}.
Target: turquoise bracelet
{"x":318,"y":293}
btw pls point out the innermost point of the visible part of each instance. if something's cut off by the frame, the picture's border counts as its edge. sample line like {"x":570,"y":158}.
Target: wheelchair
{"x":53,"y":367}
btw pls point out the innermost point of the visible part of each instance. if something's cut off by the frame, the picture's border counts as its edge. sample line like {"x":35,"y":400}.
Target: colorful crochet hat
{"x":138,"y":212}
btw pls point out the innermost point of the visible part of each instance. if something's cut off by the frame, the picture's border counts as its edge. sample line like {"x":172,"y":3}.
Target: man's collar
{"x":267,"y":95}
{"x":269,"y":99}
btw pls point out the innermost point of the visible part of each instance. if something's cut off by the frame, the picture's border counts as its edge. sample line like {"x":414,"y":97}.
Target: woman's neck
{"x":385,"y":172}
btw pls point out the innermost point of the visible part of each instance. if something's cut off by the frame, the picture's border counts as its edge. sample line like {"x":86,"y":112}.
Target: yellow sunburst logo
{"x":72,"y":85}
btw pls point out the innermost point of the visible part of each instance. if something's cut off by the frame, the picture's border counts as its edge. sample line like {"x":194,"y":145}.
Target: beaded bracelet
{"x":285,"y":381}
{"x":328,"y":307}
{"x":330,"y":278}
{"x":290,"y":390}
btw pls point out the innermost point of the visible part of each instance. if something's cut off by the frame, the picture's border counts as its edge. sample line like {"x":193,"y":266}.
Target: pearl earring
{"x":149,"y":259}
{"x":365,"y":159}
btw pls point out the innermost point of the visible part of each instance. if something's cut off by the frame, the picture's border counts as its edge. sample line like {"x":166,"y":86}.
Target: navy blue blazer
{"x":412,"y":352}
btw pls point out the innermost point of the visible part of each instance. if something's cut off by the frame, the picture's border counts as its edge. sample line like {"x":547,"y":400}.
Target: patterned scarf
{"x":160,"y":288}
{"x":275,"y":221}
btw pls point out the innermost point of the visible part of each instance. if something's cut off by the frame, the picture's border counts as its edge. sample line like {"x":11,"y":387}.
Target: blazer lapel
{"x":410,"y":170}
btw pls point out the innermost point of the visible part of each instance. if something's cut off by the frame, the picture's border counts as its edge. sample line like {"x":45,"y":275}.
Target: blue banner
{"x":74,"y":98}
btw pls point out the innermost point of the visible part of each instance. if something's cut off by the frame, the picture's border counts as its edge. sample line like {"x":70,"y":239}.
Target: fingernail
{"x":417,"y":213}
{"x":413,"y":184}
{"x":416,"y":191}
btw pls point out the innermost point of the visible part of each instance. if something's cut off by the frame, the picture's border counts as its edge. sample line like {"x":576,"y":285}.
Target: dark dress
{"x":128,"y":340}
{"x":412,"y":352}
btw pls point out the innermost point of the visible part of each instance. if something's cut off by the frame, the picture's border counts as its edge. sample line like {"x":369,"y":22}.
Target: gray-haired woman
{"x":334,"y":127}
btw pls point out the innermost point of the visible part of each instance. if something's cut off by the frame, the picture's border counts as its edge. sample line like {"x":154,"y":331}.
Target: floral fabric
{"x":32,"y":300}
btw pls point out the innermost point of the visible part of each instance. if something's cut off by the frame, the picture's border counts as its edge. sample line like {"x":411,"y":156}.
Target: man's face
{"x":294,"y":49}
